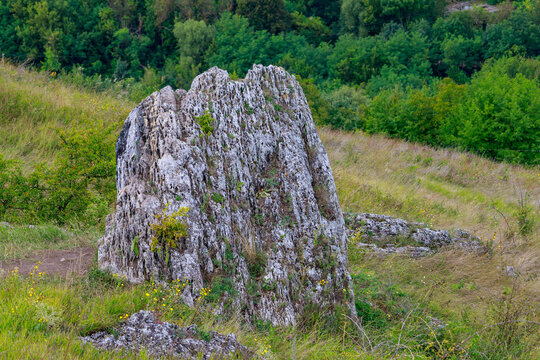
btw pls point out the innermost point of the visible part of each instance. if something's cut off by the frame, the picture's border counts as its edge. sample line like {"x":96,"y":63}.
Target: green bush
{"x":168,"y":230}
{"x":206,"y":122}
{"x":346,"y":107}
{"x":415,"y":115}
{"x":318,"y":105}
{"x":499,"y":118}
{"x":78,"y":188}
{"x":496,"y":115}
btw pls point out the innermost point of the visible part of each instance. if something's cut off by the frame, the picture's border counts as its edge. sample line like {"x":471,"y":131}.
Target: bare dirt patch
{"x":53,"y":262}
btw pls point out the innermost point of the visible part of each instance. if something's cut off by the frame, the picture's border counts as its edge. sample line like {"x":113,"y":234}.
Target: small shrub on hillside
{"x":79,"y":187}
{"x":206,"y":122}
{"x":169,"y":229}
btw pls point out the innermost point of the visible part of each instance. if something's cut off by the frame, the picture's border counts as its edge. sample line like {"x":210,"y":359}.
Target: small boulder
{"x":510,"y":271}
{"x":143,"y":331}
{"x":380,"y":233}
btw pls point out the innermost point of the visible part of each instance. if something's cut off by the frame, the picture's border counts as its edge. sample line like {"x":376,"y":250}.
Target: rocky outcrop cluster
{"x":161,"y":339}
{"x":264,"y":228}
{"x":387,"y":235}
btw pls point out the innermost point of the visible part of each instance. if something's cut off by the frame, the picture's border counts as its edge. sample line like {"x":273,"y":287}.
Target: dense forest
{"x":411,"y":69}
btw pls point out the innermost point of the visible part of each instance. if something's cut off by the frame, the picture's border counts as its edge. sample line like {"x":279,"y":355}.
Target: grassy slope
{"x":448,"y":190}
{"x":443,"y":188}
{"x":17,"y":242}
{"x":32,"y":105}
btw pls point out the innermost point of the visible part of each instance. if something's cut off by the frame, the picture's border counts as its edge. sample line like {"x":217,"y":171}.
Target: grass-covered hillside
{"x":33,"y":105}
{"x":452,"y":305}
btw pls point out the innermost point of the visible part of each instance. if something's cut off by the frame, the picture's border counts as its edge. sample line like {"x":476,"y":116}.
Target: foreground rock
{"x":265,"y":230}
{"x":143,"y":331}
{"x":387,"y":235}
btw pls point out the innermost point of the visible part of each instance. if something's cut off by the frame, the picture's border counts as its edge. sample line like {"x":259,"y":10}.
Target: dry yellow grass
{"x":33,"y":104}
{"x":446,"y":189}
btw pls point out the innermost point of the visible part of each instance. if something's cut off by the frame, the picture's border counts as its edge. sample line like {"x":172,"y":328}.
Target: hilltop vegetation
{"x":397,"y":298}
{"x":408,"y":69}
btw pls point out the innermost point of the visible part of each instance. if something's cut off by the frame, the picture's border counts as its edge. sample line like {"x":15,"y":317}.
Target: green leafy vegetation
{"x":206,"y":122}
{"x":78,"y":186}
{"x":218,"y":198}
{"x":169,"y":230}
{"x":353,"y":57}
{"x":496,"y":114}
{"x":221,"y":286}
{"x":135,"y":245}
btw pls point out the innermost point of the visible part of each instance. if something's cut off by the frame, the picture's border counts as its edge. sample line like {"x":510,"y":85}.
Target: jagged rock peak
{"x":265,"y":230}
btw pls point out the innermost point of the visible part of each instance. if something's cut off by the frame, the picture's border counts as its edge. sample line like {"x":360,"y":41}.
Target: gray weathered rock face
{"x":384,"y":235}
{"x":264,"y":220}
{"x":143,"y":331}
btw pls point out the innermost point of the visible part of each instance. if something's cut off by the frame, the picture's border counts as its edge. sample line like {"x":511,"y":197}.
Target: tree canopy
{"x":352,"y":54}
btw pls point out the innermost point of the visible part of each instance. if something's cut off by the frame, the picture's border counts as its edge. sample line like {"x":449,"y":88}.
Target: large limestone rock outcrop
{"x":265,"y":230}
